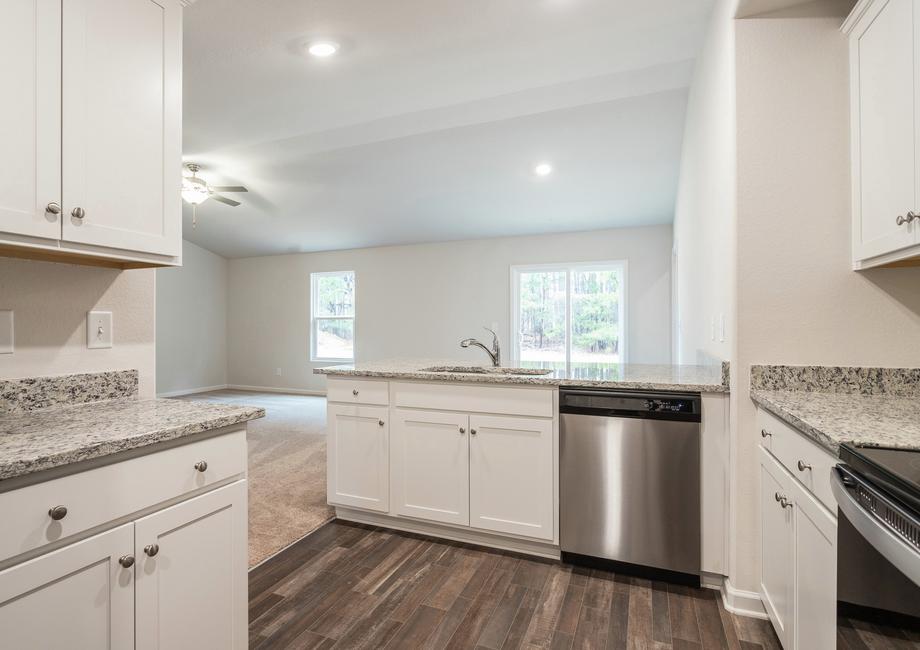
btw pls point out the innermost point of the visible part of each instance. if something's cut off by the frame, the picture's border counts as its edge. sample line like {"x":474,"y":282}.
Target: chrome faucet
{"x":495,"y":353}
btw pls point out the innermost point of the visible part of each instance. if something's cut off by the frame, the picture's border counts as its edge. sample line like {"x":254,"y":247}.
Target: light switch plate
{"x":98,"y":329}
{"x":6,"y":331}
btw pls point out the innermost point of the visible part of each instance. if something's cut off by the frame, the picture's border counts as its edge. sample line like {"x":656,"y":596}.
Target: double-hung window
{"x":565,"y":315}
{"x":332,"y":316}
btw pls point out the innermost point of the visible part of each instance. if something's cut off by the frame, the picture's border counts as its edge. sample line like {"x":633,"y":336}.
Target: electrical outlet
{"x":6,"y":331}
{"x":98,"y":329}
{"x":277,"y":372}
{"x":712,"y":328}
{"x":722,"y":328}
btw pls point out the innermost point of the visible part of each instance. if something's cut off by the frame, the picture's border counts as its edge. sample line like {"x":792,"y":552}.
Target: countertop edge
{"x":524,"y":380}
{"x":803,"y":427}
{"x":100,"y":450}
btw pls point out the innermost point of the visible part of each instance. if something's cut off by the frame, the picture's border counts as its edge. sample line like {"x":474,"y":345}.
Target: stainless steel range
{"x":878,"y":533}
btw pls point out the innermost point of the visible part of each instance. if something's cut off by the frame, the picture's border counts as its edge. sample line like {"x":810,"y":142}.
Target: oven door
{"x":878,"y":548}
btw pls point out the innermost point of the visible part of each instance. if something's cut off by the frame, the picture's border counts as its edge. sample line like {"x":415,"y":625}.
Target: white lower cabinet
{"x":511,"y":475}
{"x":358,"y":467}
{"x":188,"y":591}
{"x":798,"y":560}
{"x":431,"y":465}
{"x":78,"y":597}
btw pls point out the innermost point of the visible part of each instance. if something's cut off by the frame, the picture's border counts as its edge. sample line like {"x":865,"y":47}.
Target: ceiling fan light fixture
{"x":194,"y":190}
{"x":322,"y":49}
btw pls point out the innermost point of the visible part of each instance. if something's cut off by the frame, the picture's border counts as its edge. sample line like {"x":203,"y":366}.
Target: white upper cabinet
{"x":91,"y":126}
{"x":30,"y":117}
{"x":884,"y":108}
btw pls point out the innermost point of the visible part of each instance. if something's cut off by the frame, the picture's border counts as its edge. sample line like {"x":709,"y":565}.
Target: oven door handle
{"x":904,"y":558}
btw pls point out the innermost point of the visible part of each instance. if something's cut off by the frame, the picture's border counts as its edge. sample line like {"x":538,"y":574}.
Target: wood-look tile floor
{"x":352,"y":586}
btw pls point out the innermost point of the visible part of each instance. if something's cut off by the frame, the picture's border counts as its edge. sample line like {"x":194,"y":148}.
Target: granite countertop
{"x":703,"y":379}
{"x":53,"y":437}
{"x":875,"y":420}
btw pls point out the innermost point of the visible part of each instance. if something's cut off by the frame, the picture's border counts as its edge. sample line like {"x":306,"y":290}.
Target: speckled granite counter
{"x":868,"y":407}
{"x":704,"y":379}
{"x":53,"y":437}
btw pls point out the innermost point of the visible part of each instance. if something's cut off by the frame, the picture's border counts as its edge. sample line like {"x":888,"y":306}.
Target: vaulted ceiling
{"x":428,"y":122}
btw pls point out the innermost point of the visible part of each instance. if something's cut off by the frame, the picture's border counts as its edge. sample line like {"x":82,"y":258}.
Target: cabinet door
{"x":883,"y":130}
{"x":511,"y":475}
{"x":30,"y":117}
{"x":815,"y":574}
{"x":191,"y":589}
{"x":357,"y":464}
{"x":122,"y":83}
{"x":777,"y":547}
{"x":430,"y":471}
{"x":78,"y":597}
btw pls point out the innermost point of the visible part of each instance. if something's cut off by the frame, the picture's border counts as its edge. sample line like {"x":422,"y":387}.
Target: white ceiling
{"x":427,"y":124}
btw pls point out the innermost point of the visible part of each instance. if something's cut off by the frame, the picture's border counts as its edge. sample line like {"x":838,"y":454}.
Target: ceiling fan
{"x":196,"y":191}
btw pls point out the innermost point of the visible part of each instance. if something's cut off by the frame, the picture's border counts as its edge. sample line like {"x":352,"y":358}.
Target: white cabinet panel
{"x":122,"y":123}
{"x":192,"y":593}
{"x":357,"y":465}
{"x":815,"y":574}
{"x":777,"y":547}
{"x":30,"y":117}
{"x":430,"y":470}
{"x":511,"y":475}
{"x":78,"y":597}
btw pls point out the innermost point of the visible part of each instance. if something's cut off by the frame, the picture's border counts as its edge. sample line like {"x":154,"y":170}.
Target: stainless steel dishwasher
{"x":630,"y":481}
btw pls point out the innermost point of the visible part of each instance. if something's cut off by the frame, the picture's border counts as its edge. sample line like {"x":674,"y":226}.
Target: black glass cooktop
{"x":895,"y":470}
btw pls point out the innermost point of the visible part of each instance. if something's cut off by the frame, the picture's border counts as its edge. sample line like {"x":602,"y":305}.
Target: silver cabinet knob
{"x":380,"y":423}
{"x":462,"y":430}
{"x":354,"y":392}
{"x":782,"y":500}
{"x":57,"y":512}
{"x":126,"y":561}
{"x":908,"y":218}
{"x":802,"y":465}
{"x":78,"y":213}
{"x":151,"y":549}
{"x":778,"y":496}
{"x":765,"y":434}
{"x":53,"y":208}
{"x":472,"y":432}
{"x":901,"y":220}
{"x":201,"y":465}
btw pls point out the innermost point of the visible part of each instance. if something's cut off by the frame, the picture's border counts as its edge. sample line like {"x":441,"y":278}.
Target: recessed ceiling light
{"x":543,"y":169}
{"x":323,"y":49}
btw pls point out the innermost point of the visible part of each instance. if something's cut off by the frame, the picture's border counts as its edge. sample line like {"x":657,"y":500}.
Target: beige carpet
{"x":287,"y":467}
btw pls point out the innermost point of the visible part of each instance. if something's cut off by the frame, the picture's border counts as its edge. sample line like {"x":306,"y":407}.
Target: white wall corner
{"x":741,"y":602}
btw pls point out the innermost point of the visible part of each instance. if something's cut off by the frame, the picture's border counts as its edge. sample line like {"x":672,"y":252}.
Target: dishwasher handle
{"x":685,"y":407}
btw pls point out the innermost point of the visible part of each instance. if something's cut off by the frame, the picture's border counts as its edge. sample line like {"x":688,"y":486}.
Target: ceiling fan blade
{"x":228,"y":188}
{"x":224,"y":199}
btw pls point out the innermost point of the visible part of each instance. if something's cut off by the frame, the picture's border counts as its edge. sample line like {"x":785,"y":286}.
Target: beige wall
{"x":799,"y":302}
{"x":704,"y":217}
{"x":50,"y":302}
{"x":192,"y":322}
{"x":420,"y":301}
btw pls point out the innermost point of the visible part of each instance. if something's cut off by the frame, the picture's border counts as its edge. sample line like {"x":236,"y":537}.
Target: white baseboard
{"x":272,"y":389}
{"x":192,"y":391}
{"x":446,"y":531}
{"x":741,"y":602}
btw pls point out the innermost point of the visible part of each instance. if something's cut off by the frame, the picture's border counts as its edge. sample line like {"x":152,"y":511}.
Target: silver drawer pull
{"x":354,"y":392}
{"x":151,"y":549}
{"x":57,"y":512}
{"x":201,"y":465}
{"x":765,"y":434}
{"x":802,"y":465}
{"x":127,"y":561}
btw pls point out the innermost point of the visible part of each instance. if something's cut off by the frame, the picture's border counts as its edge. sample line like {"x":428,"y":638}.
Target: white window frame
{"x":314,"y":318}
{"x":569,"y":268}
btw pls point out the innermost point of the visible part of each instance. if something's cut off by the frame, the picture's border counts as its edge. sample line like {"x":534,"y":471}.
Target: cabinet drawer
{"x":98,"y":496}
{"x":358,"y":391}
{"x":791,"y":447}
{"x":502,"y":400}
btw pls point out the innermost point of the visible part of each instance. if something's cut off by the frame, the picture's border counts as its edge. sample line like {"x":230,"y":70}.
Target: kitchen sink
{"x":483,"y":370}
